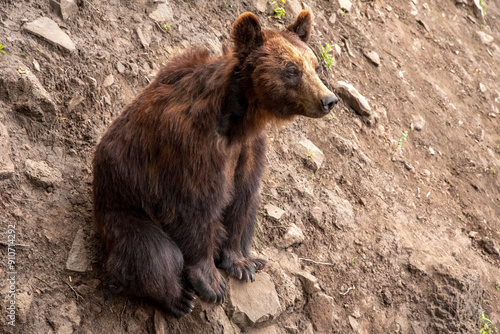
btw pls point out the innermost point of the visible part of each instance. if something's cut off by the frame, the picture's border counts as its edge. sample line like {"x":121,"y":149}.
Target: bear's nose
{"x":329,"y":102}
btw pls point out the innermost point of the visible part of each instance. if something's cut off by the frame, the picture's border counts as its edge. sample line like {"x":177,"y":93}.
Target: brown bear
{"x":177,"y":174}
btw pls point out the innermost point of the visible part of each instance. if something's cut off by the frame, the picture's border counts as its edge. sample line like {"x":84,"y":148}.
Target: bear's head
{"x":282,"y":68}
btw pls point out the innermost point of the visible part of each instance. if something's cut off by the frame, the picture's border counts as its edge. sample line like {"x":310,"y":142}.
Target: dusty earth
{"x":396,"y":232}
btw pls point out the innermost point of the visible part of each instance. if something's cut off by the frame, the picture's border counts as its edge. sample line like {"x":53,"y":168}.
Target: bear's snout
{"x":329,"y":101}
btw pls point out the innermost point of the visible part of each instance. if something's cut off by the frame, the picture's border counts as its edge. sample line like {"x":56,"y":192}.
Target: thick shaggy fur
{"x":177,"y":174}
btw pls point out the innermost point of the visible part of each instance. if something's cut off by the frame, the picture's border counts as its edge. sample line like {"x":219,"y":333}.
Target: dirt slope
{"x":404,"y":233}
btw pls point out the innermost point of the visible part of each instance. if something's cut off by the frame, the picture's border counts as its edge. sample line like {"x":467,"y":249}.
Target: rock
{"x":309,"y":282}
{"x":64,"y":8}
{"x":316,"y":215}
{"x":78,"y":259}
{"x":490,"y":246}
{"x":36,"y":65}
{"x":274,"y":211}
{"x":308,"y":151}
{"x":22,"y":89}
{"x":332,"y":19}
{"x":418,"y":122}
{"x":6,"y":165}
{"x":253,"y":304}
{"x":373,"y":57}
{"x":320,"y":309}
{"x":484,"y":37}
{"x":345,"y":5}
{"x":292,"y":236}
{"x":294,"y":7}
{"x":23,"y":304}
{"x":478,"y":10}
{"x":160,"y":323}
{"x":422,"y":23}
{"x":482,"y":88}
{"x":108,"y":81}
{"x":342,"y":210}
{"x":351,"y":95}
{"x":40,"y":174}
{"x":144,"y":41}
{"x":338,"y":50}
{"x":354,"y":324}
{"x":431,"y":150}
{"x":49,"y":30}
{"x":266,"y":330}
{"x":65,"y":318}
{"x":261,"y":5}
{"x":163,"y":13}
{"x":120,"y":67}
{"x":216,"y":316}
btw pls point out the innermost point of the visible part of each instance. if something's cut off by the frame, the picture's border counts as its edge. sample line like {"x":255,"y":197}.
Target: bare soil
{"x":407,"y":231}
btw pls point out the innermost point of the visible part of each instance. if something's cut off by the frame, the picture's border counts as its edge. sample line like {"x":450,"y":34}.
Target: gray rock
{"x":120,"y":67}
{"x":484,"y":37}
{"x":351,"y":95}
{"x":64,"y":8}
{"x":274,"y":212}
{"x":316,"y":215}
{"x":108,"y":80}
{"x":142,"y":38}
{"x":422,"y":23}
{"x":309,"y":282}
{"x":320,"y":309}
{"x":478,"y":10}
{"x":490,"y":246}
{"x":261,"y":5}
{"x":373,"y":57}
{"x":418,"y":122}
{"x":23,"y":304}
{"x":160,"y":323}
{"x":354,"y":324}
{"x":40,"y":174}
{"x":482,"y":88}
{"x":266,"y":330}
{"x":253,"y":304}
{"x":292,"y":236}
{"x":294,"y":8}
{"x":6,"y":165}
{"x":22,"y":89}
{"x":78,"y":259}
{"x":49,"y":30}
{"x":312,"y":155}
{"x":163,"y":13}
{"x":345,"y":5}
{"x":216,"y":316}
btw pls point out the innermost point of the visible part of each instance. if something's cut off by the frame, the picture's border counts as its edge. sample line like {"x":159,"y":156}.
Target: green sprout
{"x":167,"y":26}
{"x":487,"y":325}
{"x":483,"y":6}
{"x":326,"y":56}
{"x":279,"y":11}
{"x":2,"y":51}
{"x":403,"y":138}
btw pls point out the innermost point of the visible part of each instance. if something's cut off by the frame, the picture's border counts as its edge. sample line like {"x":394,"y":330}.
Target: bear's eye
{"x":291,"y":70}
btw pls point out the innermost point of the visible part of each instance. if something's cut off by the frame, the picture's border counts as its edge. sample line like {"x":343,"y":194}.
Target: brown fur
{"x":177,"y":174}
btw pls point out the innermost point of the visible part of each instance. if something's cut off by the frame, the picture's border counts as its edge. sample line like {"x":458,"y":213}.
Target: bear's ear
{"x":247,"y":33}
{"x":302,"y":26}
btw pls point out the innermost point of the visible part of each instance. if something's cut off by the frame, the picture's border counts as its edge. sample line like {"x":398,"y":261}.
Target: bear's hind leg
{"x":146,"y":262}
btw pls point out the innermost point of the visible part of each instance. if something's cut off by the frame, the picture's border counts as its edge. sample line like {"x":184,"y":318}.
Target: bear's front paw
{"x":207,"y":281}
{"x":182,"y":305}
{"x":240,"y":267}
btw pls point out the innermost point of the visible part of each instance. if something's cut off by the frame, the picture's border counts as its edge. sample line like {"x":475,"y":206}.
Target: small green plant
{"x":278,"y":10}
{"x":2,"y":51}
{"x":483,"y":6}
{"x":353,"y":259}
{"x":111,"y":308}
{"x":487,"y":325}
{"x":326,"y":56}
{"x":403,"y":138}
{"x":332,"y":116}
{"x":167,"y":26}
{"x":435,"y":55}
{"x":31,"y":325}
{"x":491,"y":169}
{"x":309,"y":155}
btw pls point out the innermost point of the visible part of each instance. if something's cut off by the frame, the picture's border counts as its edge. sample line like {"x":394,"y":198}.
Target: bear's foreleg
{"x":240,"y":215}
